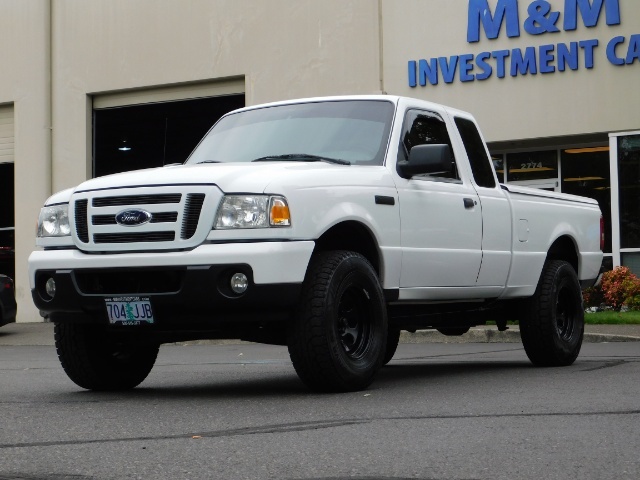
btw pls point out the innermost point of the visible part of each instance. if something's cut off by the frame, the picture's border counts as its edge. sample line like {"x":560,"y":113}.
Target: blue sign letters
{"x":548,"y":58}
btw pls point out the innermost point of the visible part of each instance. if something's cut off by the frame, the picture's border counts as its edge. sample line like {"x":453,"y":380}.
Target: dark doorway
{"x":152,"y":135}
{"x":7,"y":231}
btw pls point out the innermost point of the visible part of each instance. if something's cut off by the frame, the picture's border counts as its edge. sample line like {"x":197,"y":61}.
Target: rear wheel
{"x":338,"y":338}
{"x":553,"y":328}
{"x":97,"y":360}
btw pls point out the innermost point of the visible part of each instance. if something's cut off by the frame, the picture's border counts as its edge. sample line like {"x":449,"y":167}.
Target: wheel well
{"x":564,"y":248}
{"x":351,"y":236}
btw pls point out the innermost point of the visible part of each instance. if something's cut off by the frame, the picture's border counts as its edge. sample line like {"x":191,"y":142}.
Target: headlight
{"x":253,"y":211}
{"x":54,"y":221}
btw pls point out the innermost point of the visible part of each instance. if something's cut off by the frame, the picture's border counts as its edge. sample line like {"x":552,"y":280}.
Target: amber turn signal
{"x":279,"y":215}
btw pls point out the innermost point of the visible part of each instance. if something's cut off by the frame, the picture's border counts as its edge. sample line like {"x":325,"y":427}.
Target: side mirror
{"x":426,"y":159}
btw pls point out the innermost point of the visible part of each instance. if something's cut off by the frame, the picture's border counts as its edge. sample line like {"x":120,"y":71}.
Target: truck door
{"x":496,"y":210}
{"x":441,"y":218}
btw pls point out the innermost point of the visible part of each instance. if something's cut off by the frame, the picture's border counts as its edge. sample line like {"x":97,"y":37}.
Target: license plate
{"x":129,"y":310}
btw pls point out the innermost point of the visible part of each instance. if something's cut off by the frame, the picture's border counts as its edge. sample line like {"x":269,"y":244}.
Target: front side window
{"x":346,"y":131}
{"x":425,"y":128}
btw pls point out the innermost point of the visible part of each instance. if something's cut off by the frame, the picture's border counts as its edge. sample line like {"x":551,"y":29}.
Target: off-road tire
{"x":393,"y":339}
{"x":553,"y":325}
{"x":338,"y":337}
{"x":96,"y":360}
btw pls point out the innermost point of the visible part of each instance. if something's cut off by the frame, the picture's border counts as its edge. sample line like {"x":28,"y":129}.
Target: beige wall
{"x":283,"y":48}
{"x":24,"y":82}
{"x":603,"y":99}
{"x":56,"y":55}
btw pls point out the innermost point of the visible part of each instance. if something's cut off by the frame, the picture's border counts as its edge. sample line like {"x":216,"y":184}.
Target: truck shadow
{"x":286,"y":385}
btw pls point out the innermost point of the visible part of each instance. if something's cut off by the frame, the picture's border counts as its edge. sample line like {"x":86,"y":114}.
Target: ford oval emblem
{"x":133,"y":218}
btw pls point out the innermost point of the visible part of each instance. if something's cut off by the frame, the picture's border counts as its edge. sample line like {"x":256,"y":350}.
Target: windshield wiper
{"x":301,"y":157}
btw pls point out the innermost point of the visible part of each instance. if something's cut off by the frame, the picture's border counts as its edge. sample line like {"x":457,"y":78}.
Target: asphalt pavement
{"x":41,"y":333}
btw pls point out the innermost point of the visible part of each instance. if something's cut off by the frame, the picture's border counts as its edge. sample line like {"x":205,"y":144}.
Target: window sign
{"x":525,"y":166}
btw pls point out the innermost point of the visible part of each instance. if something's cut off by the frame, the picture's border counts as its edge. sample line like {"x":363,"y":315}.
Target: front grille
{"x":82,"y":229}
{"x":173,"y":211}
{"x":137,"y":200}
{"x":134,"y":237}
{"x":192,"y":209}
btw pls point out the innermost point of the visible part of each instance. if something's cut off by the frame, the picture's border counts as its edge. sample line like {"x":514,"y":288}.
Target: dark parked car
{"x":7,"y":300}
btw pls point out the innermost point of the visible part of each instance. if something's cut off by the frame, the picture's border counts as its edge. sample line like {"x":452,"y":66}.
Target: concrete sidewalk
{"x":40,"y":333}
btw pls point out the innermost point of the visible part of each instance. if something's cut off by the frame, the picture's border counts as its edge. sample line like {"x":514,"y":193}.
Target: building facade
{"x":92,"y":88}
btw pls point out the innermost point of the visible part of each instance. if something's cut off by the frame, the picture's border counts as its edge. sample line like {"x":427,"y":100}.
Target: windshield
{"x":343,"y":132}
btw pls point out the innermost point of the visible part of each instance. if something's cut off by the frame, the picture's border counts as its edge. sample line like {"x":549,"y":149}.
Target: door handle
{"x":469,"y":203}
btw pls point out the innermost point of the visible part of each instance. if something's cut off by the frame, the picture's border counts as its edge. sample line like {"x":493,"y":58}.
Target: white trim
{"x":615,"y":200}
{"x":630,"y":250}
{"x":624,"y":134}
{"x":169,"y":93}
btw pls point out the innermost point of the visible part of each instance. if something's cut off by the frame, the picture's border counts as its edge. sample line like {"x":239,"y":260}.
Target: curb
{"x":485,"y":335}
{"x":38,"y":334}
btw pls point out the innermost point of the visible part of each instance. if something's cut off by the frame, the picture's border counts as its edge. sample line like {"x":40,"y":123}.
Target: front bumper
{"x":186,"y":289}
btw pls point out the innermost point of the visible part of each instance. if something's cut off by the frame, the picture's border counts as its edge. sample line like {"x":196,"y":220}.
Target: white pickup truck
{"x":328,"y":225}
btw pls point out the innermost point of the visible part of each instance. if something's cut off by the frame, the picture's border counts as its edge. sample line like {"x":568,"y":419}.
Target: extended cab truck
{"x":327,"y":225}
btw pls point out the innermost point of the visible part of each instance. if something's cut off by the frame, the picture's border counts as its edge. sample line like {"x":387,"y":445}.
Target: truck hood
{"x":229,"y":177}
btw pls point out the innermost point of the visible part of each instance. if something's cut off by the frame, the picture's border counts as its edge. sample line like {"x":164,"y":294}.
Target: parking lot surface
{"x":452,"y":411}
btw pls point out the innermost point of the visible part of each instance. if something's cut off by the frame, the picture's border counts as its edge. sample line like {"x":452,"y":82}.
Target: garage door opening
{"x":7,"y":234}
{"x":152,"y":135}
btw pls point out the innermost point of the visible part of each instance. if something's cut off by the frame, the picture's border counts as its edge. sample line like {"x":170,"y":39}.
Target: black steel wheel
{"x":553,"y":327}
{"x":338,"y":337}
{"x":97,"y":360}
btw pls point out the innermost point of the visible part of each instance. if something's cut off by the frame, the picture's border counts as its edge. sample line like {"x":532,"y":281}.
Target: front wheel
{"x":393,"y":339}
{"x":553,"y":327}
{"x":337,"y":340}
{"x":96,"y":360}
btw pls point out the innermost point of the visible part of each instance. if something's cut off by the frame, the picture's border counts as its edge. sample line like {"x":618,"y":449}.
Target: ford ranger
{"x":328,"y":225}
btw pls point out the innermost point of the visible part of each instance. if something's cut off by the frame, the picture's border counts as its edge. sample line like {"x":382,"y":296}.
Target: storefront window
{"x":525,"y":166}
{"x":629,"y":188}
{"x":498,"y":164}
{"x":585,"y":172}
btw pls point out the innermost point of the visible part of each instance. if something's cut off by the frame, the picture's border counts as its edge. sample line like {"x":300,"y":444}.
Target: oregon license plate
{"x":129,"y":310}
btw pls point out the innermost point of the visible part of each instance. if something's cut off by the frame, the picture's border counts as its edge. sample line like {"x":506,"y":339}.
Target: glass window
{"x":629,"y":184}
{"x":426,"y":128}
{"x":524,"y":166}
{"x":477,"y":153}
{"x":356,"y":131}
{"x":585,"y":172}
{"x":498,"y":166}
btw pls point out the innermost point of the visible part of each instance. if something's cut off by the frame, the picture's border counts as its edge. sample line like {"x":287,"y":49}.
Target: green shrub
{"x":621,"y":288}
